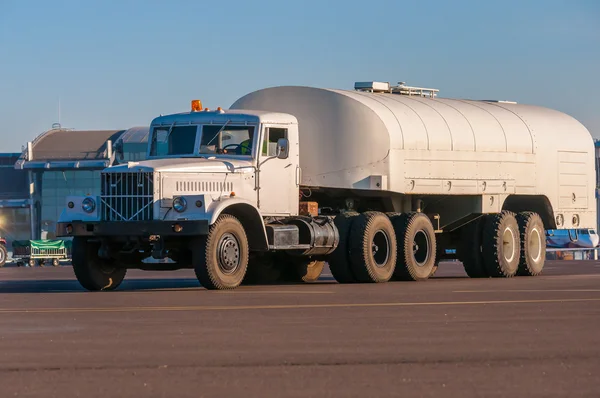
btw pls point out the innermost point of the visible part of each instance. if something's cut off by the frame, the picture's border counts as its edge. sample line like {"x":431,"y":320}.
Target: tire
{"x":262,"y":269}
{"x":221,"y":258}
{"x":470,"y":253}
{"x":301,"y":269}
{"x":93,"y":273}
{"x":32,"y":263}
{"x":55,"y":262}
{"x":3,"y":255}
{"x":501,"y":245}
{"x":533,"y":244}
{"x":373,"y":248}
{"x":416,"y":247}
{"x":339,"y":262}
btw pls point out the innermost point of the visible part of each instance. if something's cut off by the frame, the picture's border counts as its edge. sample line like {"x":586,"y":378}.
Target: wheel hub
{"x":228,"y":253}
{"x":380,"y":247}
{"x":421,"y":248}
{"x":508,"y":246}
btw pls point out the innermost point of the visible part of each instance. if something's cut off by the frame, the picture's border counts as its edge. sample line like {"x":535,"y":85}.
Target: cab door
{"x":278,"y":179}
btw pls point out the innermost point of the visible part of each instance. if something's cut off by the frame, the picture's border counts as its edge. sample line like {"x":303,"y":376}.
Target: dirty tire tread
{"x":363,"y":265}
{"x":405,"y":269}
{"x":207,"y":276}
{"x":491,"y":236}
{"x":339,"y":262}
{"x":470,"y":249}
{"x":525,"y":220}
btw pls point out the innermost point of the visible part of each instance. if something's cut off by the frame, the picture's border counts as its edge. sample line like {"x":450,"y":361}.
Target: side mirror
{"x":283,"y":148}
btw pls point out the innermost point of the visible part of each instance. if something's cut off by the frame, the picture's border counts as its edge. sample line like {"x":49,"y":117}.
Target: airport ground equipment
{"x":380,"y":182}
{"x":40,"y":252}
{"x":3,"y":252}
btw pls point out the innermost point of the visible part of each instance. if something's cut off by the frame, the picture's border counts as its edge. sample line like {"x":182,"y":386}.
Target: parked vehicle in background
{"x":381,"y":183}
{"x":3,"y":252}
{"x":572,"y":239}
{"x":32,"y":252}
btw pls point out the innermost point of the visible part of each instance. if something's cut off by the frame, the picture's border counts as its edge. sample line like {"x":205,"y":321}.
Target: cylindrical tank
{"x":422,"y":145}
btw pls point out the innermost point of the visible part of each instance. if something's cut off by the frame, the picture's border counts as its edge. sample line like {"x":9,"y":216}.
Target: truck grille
{"x":127,"y":196}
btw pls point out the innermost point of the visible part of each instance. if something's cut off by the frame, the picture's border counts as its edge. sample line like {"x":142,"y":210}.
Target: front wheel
{"x":221,"y":258}
{"x":92,"y":272}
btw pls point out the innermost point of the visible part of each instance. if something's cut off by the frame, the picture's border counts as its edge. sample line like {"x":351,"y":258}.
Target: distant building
{"x":15,"y":220}
{"x":62,"y":162}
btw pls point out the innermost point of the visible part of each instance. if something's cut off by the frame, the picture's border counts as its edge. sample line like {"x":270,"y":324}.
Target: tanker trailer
{"x":487,"y":177}
{"x":381,"y":183}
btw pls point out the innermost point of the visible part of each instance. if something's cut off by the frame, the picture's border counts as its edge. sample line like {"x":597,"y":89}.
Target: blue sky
{"x":117,"y":64}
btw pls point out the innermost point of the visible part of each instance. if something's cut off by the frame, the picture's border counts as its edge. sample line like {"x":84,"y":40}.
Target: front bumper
{"x":142,"y":229}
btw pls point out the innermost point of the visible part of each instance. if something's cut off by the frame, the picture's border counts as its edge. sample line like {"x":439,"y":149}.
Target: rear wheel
{"x":221,"y":258}
{"x":3,"y":255}
{"x":339,"y":261}
{"x":92,"y":272}
{"x":416,"y":248}
{"x":501,"y":245}
{"x":373,"y":247}
{"x":533,"y":244}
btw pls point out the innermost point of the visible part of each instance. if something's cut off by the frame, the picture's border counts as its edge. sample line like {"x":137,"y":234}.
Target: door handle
{"x":298,"y":175}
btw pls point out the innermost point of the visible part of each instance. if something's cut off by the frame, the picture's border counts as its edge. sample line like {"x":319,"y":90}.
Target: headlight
{"x":179,"y":204}
{"x":88,"y":205}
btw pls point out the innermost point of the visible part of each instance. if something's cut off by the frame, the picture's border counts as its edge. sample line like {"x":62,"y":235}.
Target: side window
{"x":272,"y":135}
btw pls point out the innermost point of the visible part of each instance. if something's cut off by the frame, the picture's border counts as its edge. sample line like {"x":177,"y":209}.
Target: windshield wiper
{"x":218,"y":132}
{"x":170,"y":131}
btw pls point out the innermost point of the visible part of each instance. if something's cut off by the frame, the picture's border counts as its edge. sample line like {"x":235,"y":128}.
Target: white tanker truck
{"x":380,"y":182}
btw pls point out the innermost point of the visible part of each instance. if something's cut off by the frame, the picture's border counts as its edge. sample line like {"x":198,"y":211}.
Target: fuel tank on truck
{"x":400,"y":140}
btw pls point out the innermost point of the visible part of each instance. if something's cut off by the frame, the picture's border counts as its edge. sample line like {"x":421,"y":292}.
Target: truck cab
{"x":197,"y":163}
{"x":224,"y":154}
{"x":200,"y":164}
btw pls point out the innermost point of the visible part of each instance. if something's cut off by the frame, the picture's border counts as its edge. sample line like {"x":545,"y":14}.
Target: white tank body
{"x":436,"y":146}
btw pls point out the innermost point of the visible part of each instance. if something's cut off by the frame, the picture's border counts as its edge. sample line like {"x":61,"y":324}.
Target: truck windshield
{"x":173,"y":140}
{"x":225,"y":139}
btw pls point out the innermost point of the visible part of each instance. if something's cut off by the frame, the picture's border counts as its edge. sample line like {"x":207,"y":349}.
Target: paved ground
{"x":162,"y":335}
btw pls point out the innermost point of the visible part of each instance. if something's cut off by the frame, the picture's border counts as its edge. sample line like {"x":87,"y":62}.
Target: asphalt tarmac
{"x":161,"y":335}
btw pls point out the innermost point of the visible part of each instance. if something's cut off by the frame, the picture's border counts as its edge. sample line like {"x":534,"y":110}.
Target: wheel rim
{"x":534,"y":243}
{"x":421,"y":248}
{"x":2,"y":256}
{"x":381,"y":248}
{"x":228,"y":253}
{"x":508,"y":244}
